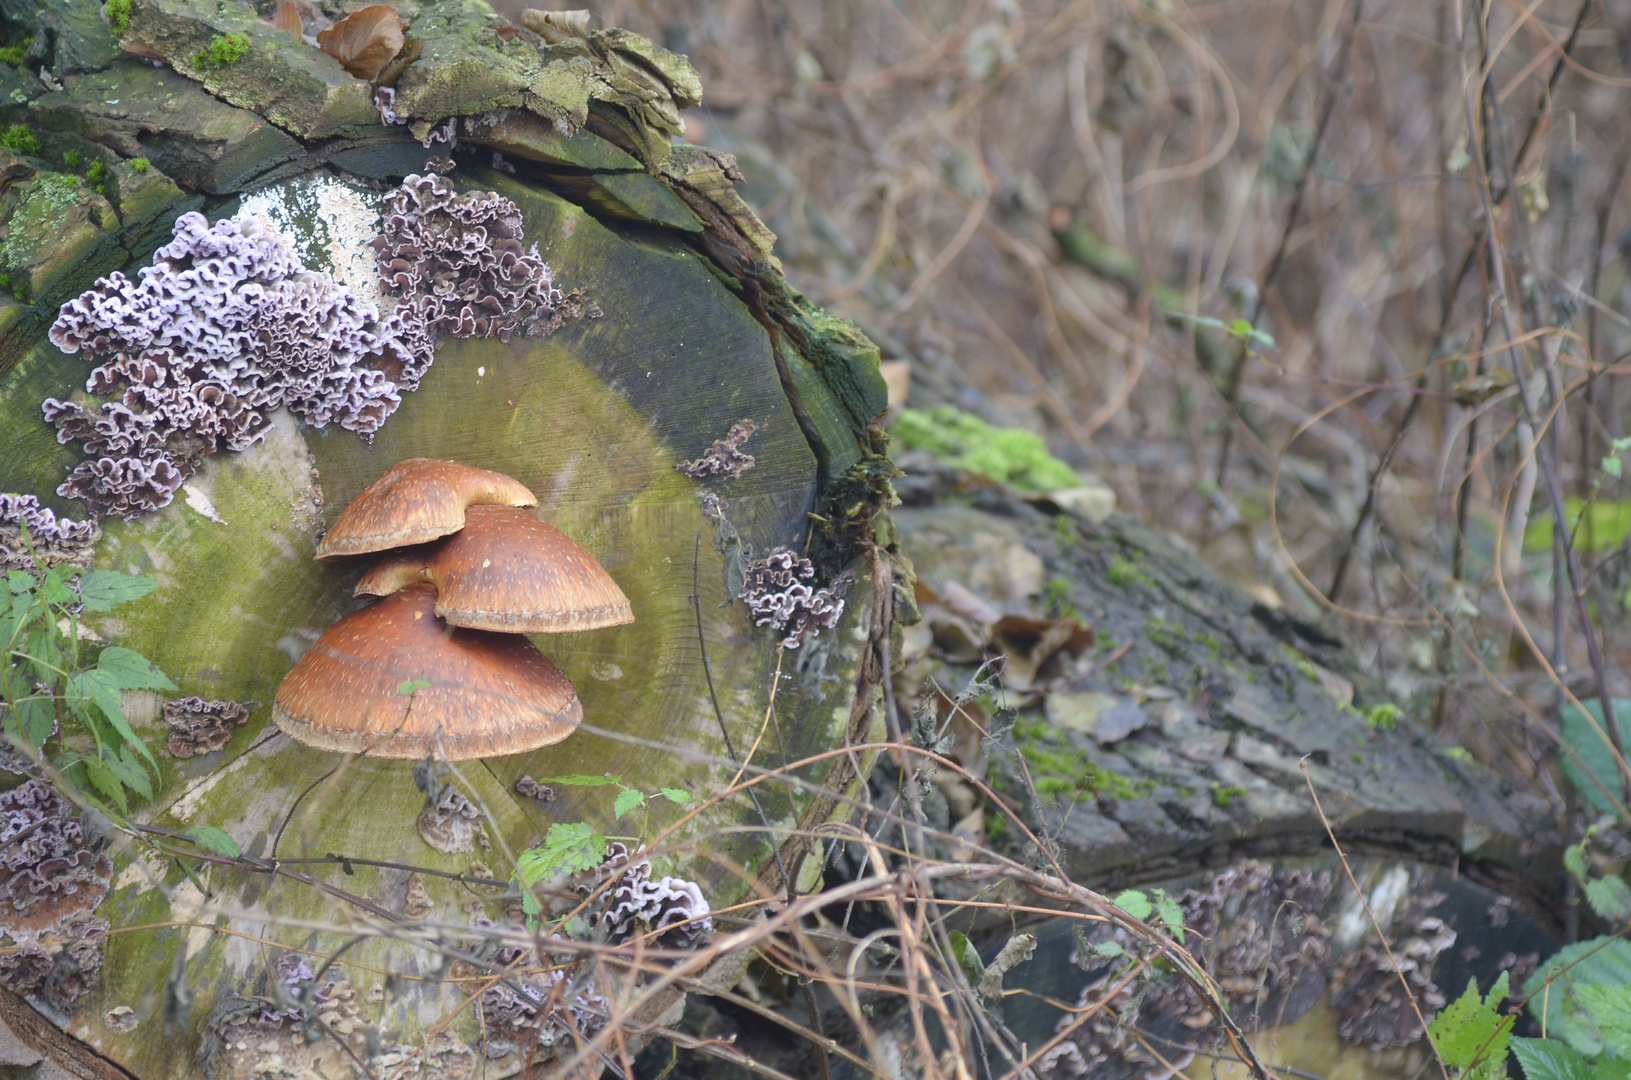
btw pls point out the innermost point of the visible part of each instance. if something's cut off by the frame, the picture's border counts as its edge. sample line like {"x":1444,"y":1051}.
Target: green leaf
{"x":38,"y":718}
{"x":128,"y":770}
{"x":1172,"y":916}
{"x":968,"y":957}
{"x":1574,"y":860}
{"x":412,"y":686}
{"x":104,"y":590}
{"x":1613,"y":467}
{"x":568,"y":848}
{"x":1472,"y":1035}
{"x":1593,"y":752}
{"x":99,"y":686}
{"x":676,"y":795}
{"x":1558,"y":1007}
{"x":215,"y":841}
{"x":103,"y":780}
{"x":580,"y":780}
{"x":1610,"y":898}
{"x":132,"y":671}
{"x":19,"y":582}
{"x":627,"y":800}
{"x":1549,"y":1059}
{"x":529,"y":904}
{"x":1610,"y":1008}
{"x":1135,"y":904}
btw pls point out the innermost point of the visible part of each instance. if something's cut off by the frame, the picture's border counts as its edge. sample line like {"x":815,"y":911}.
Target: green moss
{"x":1223,"y":795}
{"x":1056,"y":594}
{"x":996,"y":827}
{"x":20,"y":139}
{"x":1064,"y":532}
{"x":223,"y":51}
{"x":1060,"y":769}
{"x":1007,"y":455}
{"x":1124,"y":572}
{"x":140,"y":164}
{"x":71,"y":158}
{"x":13,"y":54}
{"x":118,"y":15}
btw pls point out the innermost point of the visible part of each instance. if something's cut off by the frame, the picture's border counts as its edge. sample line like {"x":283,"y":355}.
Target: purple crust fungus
{"x":670,"y":913}
{"x":200,"y":727}
{"x":226,"y":325}
{"x":54,"y":541}
{"x":50,"y":885}
{"x":777,"y":590}
{"x":456,"y":262}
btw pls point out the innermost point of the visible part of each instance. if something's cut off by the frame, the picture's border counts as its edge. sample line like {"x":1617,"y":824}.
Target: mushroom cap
{"x":488,"y":694}
{"x":507,"y":571}
{"x":418,"y":500}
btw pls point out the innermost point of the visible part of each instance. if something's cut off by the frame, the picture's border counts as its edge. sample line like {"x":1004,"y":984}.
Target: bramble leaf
{"x":1609,"y":897}
{"x":627,"y":800}
{"x":569,"y":847}
{"x":676,"y":795}
{"x":104,"y":590}
{"x":1549,"y":1059}
{"x":132,"y":671}
{"x":215,"y":841}
{"x":1135,"y":904}
{"x":1172,"y":916}
{"x":1472,"y":1035}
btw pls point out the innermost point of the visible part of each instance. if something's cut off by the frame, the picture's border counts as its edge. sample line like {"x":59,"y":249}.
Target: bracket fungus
{"x":481,"y":694}
{"x":418,"y":500}
{"x":452,"y":619}
{"x":507,"y":571}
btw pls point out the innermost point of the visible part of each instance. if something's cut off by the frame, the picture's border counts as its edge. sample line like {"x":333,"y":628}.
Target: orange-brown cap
{"x":484,"y":695}
{"x":507,"y":571}
{"x":418,"y":500}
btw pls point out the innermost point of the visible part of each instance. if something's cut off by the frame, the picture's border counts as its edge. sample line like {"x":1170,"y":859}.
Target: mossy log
{"x":695,"y":331}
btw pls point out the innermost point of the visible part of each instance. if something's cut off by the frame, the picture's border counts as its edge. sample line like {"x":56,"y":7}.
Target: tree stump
{"x":693,"y":330}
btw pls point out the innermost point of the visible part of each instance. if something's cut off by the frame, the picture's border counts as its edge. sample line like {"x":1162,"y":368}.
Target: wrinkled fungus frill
{"x":50,"y":885}
{"x":51,"y":541}
{"x":224,"y":326}
{"x":778,"y":590}
{"x":455,"y":262}
{"x":199,"y":727}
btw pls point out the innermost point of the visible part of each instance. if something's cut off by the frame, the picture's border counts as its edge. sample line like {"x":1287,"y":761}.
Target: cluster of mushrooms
{"x":439,"y":665}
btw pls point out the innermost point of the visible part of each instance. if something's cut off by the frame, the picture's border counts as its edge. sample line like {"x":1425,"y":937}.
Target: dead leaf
{"x":365,"y":41}
{"x":557,"y":26}
{"x":965,"y":605}
{"x":1031,"y":643}
{"x":287,"y":17}
{"x":136,"y":48}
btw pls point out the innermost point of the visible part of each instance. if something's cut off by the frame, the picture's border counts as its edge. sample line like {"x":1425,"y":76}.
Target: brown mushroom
{"x":418,"y":500}
{"x":507,"y":571}
{"x":478,"y":694}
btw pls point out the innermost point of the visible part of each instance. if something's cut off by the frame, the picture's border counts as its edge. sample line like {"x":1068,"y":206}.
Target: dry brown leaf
{"x":287,"y":17}
{"x":365,"y":41}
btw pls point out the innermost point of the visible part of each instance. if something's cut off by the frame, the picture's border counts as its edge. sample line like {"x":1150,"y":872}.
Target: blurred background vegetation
{"x":1052,"y":215}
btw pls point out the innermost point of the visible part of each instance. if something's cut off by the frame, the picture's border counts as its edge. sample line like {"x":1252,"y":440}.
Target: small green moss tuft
{"x":117,"y":12}
{"x":140,"y":164}
{"x":1224,"y":795}
{"x":97,"y":173}
{"x":5,"y":281}
{"x":1060,"y":769}
{"x":20,"y":139}
{"x":71,"y":158}
{"x":1124,"y":572}
{"x":1007,"y":455}
{"x":13,"y":54}
{"x":224,"y":51}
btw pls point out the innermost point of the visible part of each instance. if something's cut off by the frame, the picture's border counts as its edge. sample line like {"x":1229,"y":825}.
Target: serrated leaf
{"x":1609,"y":897}
{"x":627,"y":800}
{"x":215,"y":841}
{"x":1135,"y":904}
{"x":1472,"y":1035}
{"x":99,"y":686}
{"x":129,"y":771}
{"x":568,"y":848}
{"x":1172,"y":916}
{"x":529,"y":904}
{"x":19,"y":581}
{"x":1610,"y":1008}
{"x":104,"y":590}
{"x":580,"y":780}
{"x":37,"y":716}
{"x":1549,"y":1059}
{"x":676,"y":795}
{"x":1551,"y":990}
{"x":132,"y":671}
{"x":103,"y":780}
